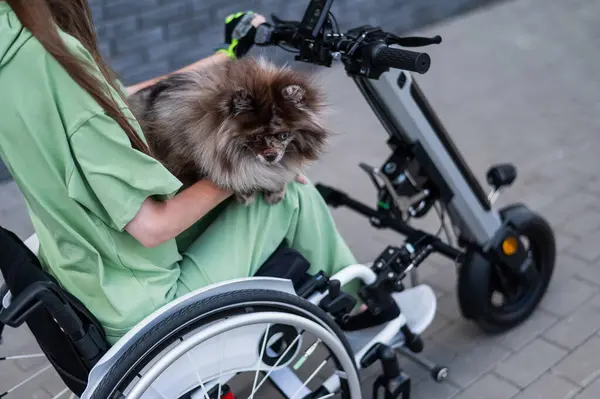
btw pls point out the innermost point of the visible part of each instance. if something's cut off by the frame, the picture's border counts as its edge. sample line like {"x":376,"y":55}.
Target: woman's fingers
{"x":301,"y":179}
{"x":258,"y":20}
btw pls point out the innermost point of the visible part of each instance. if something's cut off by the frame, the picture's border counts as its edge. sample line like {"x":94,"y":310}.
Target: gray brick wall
{"x":145,"y":38}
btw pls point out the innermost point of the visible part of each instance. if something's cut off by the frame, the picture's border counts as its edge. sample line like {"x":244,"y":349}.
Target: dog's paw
{"x":244,"y":199}
{"x":273,"y":197}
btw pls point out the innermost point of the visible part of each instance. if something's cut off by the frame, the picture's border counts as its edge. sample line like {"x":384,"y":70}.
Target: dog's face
{"x":273,"y":114}
{"x":269,"y":148}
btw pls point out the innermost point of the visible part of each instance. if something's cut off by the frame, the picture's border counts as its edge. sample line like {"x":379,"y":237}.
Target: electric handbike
{"x":506,"y":256}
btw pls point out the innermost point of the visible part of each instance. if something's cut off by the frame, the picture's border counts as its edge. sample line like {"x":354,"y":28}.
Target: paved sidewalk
{"x":514,"y":83}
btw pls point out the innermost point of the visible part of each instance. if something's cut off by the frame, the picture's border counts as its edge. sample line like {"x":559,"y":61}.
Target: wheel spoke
{"x":262,"y":353}
{"x":309,"y":379}
{"x":221,"y":367}
{"x":26,"y":380}
{"x":276,"y":364}
{"x":61,"y":393}
{"x":31,"y":356}
{"x":197,"y":376}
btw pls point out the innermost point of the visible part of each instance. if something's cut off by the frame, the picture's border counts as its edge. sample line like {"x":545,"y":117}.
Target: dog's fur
{"x":246,"y":125}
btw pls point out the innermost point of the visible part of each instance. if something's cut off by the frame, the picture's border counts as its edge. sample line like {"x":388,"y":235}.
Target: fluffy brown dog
{"x":246,"y":125}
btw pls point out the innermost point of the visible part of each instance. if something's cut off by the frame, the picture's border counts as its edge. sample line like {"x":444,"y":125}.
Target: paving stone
{"x":549,"y":386}
{"x":590,"y":274}
{"x":582,"y":224}
{"x":582,"y":365}
{"x":489,"y":387}
{"x":566,"y":206}
{"x":564,"y":296}
{"x":567,"y":265}
{"x":532,"y":361}
{"x":463,"y":336}
{"x":575,"y":328}
{"x":439,"y":322}
{"x":564,"y":241}
{"x":592,"y":391}
{"x":587,"y":248}
{"x":530,"y":329}
{"x":447,"y":305}
{"x":595,"y":301}
{"x":429,"y":389}
{"x":444,"y":279}
{"x":469,"y":366}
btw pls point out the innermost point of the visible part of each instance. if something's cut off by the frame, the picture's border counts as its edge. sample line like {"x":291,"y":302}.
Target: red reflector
{"x":228,"y":395}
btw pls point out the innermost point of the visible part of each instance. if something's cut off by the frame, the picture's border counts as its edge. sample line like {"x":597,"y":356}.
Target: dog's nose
{"x":270,"y":156}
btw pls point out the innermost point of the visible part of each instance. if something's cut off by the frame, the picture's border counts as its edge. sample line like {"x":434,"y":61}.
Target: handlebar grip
{"x":390,"y":57}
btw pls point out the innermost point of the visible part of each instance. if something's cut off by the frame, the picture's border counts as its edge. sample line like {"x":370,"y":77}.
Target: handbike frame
{"x":406,"y":115}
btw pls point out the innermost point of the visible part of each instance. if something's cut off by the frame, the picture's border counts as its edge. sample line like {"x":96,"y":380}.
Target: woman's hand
{"x":240,"y":29}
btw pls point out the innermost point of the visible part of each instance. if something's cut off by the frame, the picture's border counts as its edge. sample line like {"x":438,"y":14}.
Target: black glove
{"x":239,"y":34}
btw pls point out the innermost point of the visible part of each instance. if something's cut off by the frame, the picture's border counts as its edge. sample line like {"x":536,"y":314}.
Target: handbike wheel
{"x":220,"y":338}
{"x":511,"y":300}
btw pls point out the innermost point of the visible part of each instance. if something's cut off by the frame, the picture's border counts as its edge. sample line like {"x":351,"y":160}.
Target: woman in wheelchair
{"x":113,"y":227}
{"x":118,"y":233}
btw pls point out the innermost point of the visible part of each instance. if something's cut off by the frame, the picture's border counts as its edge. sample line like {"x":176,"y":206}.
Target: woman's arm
{"x":215,"y":58}
{"x":242,"y":45}
{"x":159,"y":221}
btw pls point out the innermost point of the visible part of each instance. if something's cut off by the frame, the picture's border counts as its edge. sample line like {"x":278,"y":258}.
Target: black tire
{"x":542,"y":248}
{"x":439,"y":373}
{"x":210,"y":309}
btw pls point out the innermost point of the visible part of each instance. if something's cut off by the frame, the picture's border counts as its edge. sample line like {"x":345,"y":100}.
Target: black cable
{"x":289,"y":50}
{"x":337,"y":27}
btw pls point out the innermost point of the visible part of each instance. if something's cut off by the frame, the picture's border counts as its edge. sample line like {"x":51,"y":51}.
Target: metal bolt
{"x":379,"y":265}
{"x":391,"y":275}
{"x":389,"y":167}
{"x":390,"y":251}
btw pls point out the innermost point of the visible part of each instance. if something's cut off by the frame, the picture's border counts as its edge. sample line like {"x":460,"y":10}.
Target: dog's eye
{"x":283,"y":135}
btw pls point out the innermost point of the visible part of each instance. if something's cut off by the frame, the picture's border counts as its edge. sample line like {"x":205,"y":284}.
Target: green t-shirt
{"x":82,"y":182}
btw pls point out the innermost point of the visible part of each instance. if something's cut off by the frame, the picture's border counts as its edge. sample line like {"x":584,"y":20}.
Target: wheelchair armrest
{"x":47,"y":295}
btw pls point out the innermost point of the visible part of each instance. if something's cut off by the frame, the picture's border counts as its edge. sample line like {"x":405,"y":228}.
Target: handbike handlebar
{"x":383,"y":56}
{"x":364,"y":51}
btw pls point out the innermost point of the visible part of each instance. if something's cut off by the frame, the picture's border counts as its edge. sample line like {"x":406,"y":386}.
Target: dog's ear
{"x":294,"y":94}
{"x":237,"y":103}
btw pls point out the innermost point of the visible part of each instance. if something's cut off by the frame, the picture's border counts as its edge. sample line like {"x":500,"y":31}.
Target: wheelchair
{"x":298,"y":334}
{"x":282,"y":326}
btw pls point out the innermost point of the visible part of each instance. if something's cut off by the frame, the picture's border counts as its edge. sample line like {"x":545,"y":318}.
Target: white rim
{"x":333,"y":343}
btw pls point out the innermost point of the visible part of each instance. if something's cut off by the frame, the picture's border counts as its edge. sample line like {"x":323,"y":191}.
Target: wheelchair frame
{"x":418,"y":305}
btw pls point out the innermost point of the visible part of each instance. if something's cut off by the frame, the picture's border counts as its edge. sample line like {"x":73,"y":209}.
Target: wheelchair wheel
{"x":233,"y":345}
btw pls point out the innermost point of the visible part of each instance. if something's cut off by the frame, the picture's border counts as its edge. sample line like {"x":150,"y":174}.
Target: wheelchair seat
{"x":67,"y":333}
